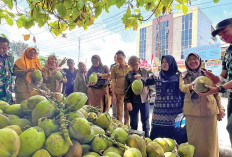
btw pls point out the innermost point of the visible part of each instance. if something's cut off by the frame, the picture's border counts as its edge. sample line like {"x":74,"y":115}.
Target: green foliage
{"x":70,"y":14}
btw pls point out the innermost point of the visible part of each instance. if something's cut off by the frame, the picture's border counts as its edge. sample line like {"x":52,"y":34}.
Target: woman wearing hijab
{"x":200,"y":111}
{"x":23,"y":68}
{"x":80,"y":83}
{"x":99,"y":91}
{"x":49,"y":71}
{"x":168,"y":101}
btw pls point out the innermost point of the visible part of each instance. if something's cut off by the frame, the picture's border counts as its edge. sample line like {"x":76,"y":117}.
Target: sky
{"x":105,"y":37}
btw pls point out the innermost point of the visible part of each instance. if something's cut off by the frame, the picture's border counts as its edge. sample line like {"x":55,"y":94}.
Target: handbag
{"x":180,"y":132}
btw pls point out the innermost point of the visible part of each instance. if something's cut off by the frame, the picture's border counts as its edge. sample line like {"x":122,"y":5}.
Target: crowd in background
{"x":174,"y":92}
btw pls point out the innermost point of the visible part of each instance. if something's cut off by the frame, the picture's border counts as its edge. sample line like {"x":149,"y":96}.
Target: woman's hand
{"x":138,"y":77}
{"x":63,"y":62}
{"x":99,"y":74}
{"x":212,"y":90}
{"x":30,"y":70}
{"x":114,"y":99}
{"x":129,"y":106}
{"x":92,"y":83}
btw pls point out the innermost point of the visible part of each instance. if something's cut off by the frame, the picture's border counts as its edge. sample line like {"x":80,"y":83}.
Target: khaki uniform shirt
{"x":118,"y":76}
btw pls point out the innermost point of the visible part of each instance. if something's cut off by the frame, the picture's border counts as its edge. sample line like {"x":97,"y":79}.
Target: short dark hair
{"x":120,"y":52}
{"x":70,"y":60}
{"x":4,"y":40}
{"x":133,"y":59}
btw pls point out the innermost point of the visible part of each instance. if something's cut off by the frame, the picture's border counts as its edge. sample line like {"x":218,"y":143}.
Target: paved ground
{"x":224,"y":141}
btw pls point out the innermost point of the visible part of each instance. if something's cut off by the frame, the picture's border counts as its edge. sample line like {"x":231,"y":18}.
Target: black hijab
{"x":170,"y":79}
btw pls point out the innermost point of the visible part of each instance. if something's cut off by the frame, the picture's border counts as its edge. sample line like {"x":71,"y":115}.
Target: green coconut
{"x":154,"y":149}
{"x":23,"y":123}
{"x":25,"y":108}
{"x":171,"y":144}
{"x":84,"y":112}
{"x":136,"y":141}
{"x":92,"y":154}
{"x":11,"y":116}
{"x":14,"y":109}
{"x":36,"y":76}
{"x":132,"y":152}
{"x":137,"y":87}
{"x":56,"y":145}
{"x":58,"y":75}
{"x":41,"y":153}
{"x":9,"y":143}
{"x":92,"y":117}
{"x":87,"y":138}
{"x":31,"y":140}
{"x":49,"y":126}
{"x":75,"y":150}
{"x":162,"y":143}
{"x":3,"y":104}
{"x":79,"y":128}
{"x":120,"y":135}
{"x":170,"y":154}
{"x":112,"y":154}
{"x":34,"y":100}
{"x":4,"y":121}
{"x":16,"y":128}
{"x":42,"y":109}
{"x":98,"y":130}
{"x":93,"y":78}
{"x":113,"y":149}
{"x":76,"y":114}
{"x":85,"y":148}
{"x":147,"y":140}
{"x":103,"y":120}
{"x":76,"y":100}
{"x":186,"y":150}
{"x":98,"y":144}
{"x":200,"y":82}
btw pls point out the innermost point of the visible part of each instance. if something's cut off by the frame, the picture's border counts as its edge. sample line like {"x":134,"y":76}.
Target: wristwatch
{"x":221,"y":89}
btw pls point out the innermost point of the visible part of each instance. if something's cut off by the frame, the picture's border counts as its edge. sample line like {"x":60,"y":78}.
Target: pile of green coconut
{"x":52,"y":125}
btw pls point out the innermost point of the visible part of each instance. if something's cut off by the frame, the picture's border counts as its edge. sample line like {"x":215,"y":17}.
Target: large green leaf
{"x":9,"y":20}
{"x":185,"y":9}
{"x":80,"y":4}
{"x":61,"y":10}
{"x":10,"y":3}
{"x":120,"y":3}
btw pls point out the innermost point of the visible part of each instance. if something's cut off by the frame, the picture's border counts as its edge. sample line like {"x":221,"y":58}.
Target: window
{"x":186,"y":33}
{"x":163,"y":38}
{"x":142,"y":43}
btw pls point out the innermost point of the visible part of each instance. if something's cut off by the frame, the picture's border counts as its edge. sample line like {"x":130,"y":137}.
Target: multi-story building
{"x":172,"y":33}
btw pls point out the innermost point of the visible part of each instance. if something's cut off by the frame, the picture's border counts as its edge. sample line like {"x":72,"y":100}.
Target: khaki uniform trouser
{"x":120,"y":106}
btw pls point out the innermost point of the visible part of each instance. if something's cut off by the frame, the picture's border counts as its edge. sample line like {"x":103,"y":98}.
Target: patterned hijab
{"x":190,"y":75}
{"x":170,"y":78}
{"x":49,"y":64}
{"x":24,"y":63}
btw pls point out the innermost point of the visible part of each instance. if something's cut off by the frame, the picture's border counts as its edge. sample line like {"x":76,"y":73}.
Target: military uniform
{"x":227,"y":65}
{"x":6,"y":71}
{"x":118,"y":75}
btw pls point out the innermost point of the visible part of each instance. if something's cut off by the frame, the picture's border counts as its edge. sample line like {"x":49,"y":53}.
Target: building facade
{"x":172,"y":33}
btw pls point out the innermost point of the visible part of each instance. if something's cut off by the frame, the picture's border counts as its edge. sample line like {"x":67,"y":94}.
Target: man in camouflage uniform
{"x":6,"y":71}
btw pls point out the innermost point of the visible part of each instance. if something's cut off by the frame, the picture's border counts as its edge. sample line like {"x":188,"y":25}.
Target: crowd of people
{"x":174,"y":90}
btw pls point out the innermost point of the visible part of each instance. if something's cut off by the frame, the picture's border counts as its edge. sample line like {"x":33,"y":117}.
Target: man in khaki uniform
{"x":118,"y":74}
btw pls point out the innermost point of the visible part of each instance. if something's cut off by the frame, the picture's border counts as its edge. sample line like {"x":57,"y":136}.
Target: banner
{"x":207,"y":52}
{"x":214,"y":66}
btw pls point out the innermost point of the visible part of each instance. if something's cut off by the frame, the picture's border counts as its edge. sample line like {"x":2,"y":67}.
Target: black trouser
{"x":162,"y":131}
{"x":144,"y":112}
